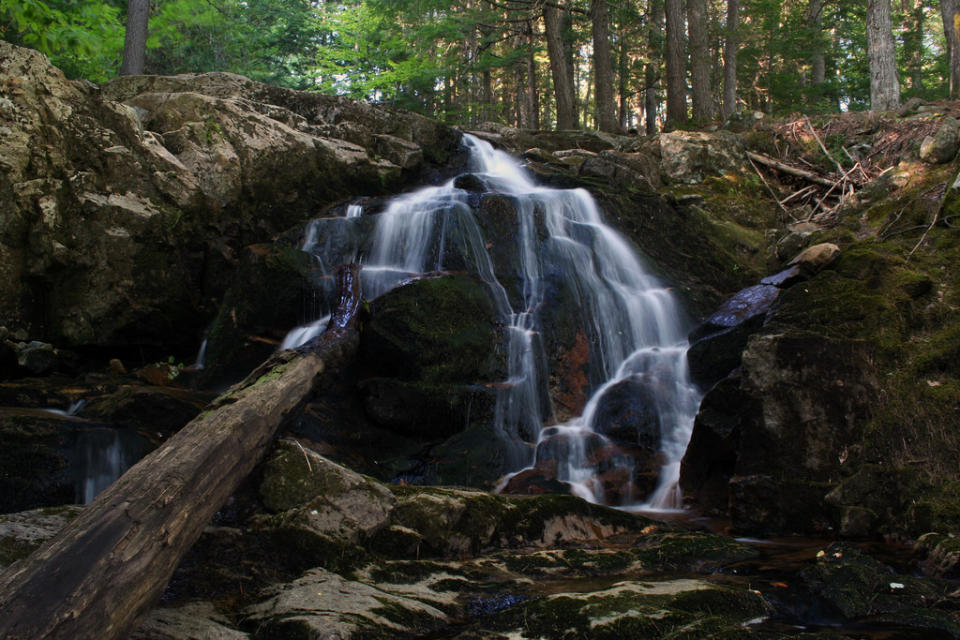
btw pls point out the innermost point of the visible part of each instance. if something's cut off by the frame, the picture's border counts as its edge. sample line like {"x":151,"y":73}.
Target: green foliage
{"x":82,"y":37}
{"x":467,"y":62}
{"x":267,"y":40}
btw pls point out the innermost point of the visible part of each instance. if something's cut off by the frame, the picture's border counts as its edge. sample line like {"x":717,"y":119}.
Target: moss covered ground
{"x":895,"y":286}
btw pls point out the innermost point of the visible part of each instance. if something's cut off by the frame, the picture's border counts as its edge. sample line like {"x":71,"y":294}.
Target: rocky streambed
{"x":310,"y":549}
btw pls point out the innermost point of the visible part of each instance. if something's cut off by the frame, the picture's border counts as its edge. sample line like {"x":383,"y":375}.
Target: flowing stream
{"x":634,"y":325}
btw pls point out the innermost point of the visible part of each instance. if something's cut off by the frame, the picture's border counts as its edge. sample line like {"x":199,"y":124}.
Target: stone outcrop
{"x":124,"y":205}
{"x":779,"y":444}
{"x":691,"y":156}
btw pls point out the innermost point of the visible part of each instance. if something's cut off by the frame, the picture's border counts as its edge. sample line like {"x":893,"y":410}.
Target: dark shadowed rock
{"x":718,"y":342}
{"x":430,"y":355}
{"x":438,"y":330}
{"x":711,"y":456}
{"x":470,"y":182}
{"x":271,"y":288}
{"x":629,"y":413}
{"x":426,"y":410}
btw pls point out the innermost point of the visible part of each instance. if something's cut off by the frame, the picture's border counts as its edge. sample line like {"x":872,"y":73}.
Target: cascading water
{"x":632,"y":322}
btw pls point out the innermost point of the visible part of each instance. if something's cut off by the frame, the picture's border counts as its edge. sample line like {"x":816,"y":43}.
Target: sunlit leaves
{"x":84,"y":38}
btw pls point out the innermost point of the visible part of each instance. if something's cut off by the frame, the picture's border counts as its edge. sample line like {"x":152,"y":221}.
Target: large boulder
{"x":430,"y":353}
{"x":136,"y":196}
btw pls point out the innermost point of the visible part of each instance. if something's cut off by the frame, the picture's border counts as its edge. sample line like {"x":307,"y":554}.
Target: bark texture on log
{"x":100,"y":575}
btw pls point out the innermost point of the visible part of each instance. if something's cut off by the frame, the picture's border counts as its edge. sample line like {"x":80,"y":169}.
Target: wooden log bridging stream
{"x":101,"y":575}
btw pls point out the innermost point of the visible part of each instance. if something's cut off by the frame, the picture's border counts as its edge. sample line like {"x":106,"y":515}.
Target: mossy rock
{"x":685,"y":549}
{"x":854,"y":585}
{"x":436,"y":330}
{"x":653,"y":609}
{"x":22,"y":533}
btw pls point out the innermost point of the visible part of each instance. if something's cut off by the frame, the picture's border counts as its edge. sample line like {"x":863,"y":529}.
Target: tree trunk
{"x":818,"y":60}
{"x":561,"y":67}
{"x":603,"y":68}
{"x":135,"y":40}
{"x":951,"y":31}
{"x":106,"y":569}
{"x":532,"y":103}
{"x":675,"y":63}
{"x":699,"y":60}
{"x":884,"y":84}
{"x":913,"y":42}
{"x":730,"y":58}
{"x":624,"y":115}
{"x":651,"y":101}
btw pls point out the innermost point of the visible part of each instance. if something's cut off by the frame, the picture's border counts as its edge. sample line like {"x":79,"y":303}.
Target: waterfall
{"x":631,"y":321}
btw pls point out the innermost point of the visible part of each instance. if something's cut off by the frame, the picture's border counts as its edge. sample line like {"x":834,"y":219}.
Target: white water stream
{"x":635,"y":327}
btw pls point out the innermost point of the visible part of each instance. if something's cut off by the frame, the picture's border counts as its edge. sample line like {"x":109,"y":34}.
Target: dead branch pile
{"x":815,"y":172}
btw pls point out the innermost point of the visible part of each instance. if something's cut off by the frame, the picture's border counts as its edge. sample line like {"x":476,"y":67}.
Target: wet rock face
{"x":169,"y":177}
{"x":717,"y":343}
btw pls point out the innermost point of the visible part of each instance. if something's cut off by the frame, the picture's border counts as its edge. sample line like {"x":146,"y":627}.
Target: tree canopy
{"x":479,"y":60}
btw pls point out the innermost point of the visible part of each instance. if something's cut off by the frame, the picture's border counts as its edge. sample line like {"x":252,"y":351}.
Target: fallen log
{"x":102,"y":574}
{"x":780,"y":166}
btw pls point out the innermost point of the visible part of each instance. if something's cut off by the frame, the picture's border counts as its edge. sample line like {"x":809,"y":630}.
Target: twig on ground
{"x":807,"y":190}
{"x":820,"y":142}
{"x":936,"y":218}
{"x":769,"y":188}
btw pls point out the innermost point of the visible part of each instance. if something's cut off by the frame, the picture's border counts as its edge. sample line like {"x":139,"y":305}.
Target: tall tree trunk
{"x":814,"y":23}
{"x":651,"y":101}
{"x":135,"y":40}
{"x":675,"y":61}
{"x":603,"y":67}
{"x":623,"y":72}
{"x":700,"y":60}
{"x":561,"y":67}
{"x":730,"y":47}
{"x":105,"y":570}
{"x":533,"y":95}
{"x":588,"y":81}
{"x":913,"y":14}
{"x":881,"y":49}
{"x":950,"y":10}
